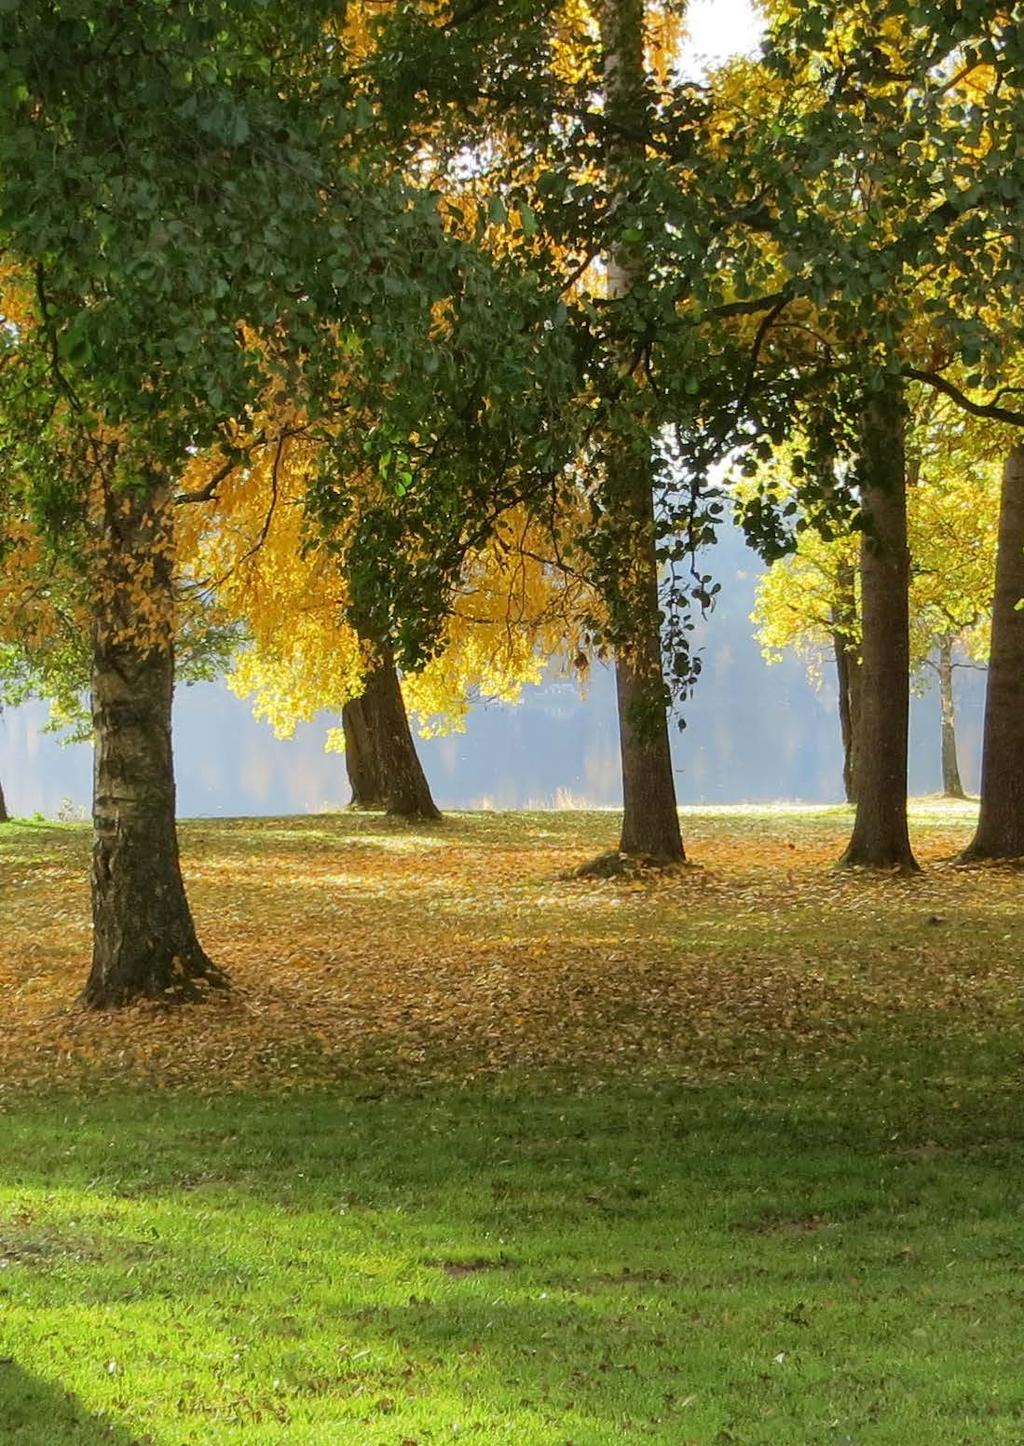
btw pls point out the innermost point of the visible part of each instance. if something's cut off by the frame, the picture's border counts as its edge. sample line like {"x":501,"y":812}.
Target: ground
{"x":477,"y":1151}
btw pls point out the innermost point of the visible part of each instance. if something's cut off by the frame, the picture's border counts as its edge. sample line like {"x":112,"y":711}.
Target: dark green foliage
{"x":194,"y":195}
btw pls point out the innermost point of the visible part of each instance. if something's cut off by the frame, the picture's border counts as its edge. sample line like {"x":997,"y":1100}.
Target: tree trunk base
{"x":977,"y":855}
{"x":616,"y":865}
{"x":421,"y":814}
{"x":172,"y":980}
{"x":384,"y":767}
{"x":650,"y":832}
{"x":894,"y":861}
{"x":361,"y":761}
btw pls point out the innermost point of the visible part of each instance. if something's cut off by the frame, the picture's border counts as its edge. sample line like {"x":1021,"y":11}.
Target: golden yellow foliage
{"x":17,"y":297}
{"x":250,"y":547}
{"x":952,"y":522}
{"x":26,"y":614}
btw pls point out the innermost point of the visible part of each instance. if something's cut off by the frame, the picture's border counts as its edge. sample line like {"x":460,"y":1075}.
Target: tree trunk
{"x":847,"y":655}
{"x":1000,"y":831}
{"x":361,"y":757}
{"x":650,"y":818}
{"x":144,"y":941}
{"x":846,"y":665}
{"x":952,"y":787}
{"x":880,"y":836}
{"x":404,"y":790}
{"x":650,"y":822}
{"x":4,"y":816}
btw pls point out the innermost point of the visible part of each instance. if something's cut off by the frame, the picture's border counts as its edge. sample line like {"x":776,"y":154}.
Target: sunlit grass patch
{"x":782,"y":1262}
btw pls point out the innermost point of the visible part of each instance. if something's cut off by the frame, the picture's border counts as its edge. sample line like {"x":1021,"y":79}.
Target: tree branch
{"x":209,"y":491}
{"x":989,"y":410}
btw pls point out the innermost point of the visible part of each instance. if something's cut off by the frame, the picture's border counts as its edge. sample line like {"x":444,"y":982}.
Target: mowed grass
{"x":479,"y":1153}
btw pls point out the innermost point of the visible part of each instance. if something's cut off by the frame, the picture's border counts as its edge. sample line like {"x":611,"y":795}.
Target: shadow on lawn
{"x":556,"y":1264}
{"x":38,"y":1413}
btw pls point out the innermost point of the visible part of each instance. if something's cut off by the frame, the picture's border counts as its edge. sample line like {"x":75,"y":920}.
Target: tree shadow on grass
{"x":546,"y":1267}
{"x":34,"y":1412}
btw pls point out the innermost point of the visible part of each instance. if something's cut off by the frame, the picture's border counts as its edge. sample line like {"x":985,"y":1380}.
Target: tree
{"x":908,"y":268}
{"x":650,"y":821}
{"x":249,"y":538}
{"x":1000,"y":831}
{"x":810,"y":601}
{"x":880,"y":836}
{"x":952,"y":785}
{"x":587,"y":150}
{"x":188,"y":213}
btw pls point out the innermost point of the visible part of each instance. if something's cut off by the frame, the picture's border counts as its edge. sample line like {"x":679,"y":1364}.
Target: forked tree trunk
{"x":952,"y":787}
{"x":650,"y":822}
{"x":4,"y":816}
{"x":404,"y":790}
{"x":361,"y":757}
{"x":144,"y":941}
{"x":1000,"y":831}
{"x":848,"y":674}
{"x":880,"y":835}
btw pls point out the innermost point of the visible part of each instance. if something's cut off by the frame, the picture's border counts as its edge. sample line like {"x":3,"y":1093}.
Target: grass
{"x":732,"y":1157}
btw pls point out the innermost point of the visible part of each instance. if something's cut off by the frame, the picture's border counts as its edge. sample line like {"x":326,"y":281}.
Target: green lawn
{"x":773,"y":1195}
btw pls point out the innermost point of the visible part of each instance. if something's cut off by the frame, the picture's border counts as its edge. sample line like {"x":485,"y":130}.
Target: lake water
{"x":754,"y":734}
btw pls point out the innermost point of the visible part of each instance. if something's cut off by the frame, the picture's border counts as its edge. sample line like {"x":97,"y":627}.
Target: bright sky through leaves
{"x":716,"y":30}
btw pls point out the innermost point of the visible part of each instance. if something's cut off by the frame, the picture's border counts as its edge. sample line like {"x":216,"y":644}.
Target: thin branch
{"x":55,"y":366}
{"x":209,"y":492}
{"x":990,"y":410}
{"x":764,"y":327}
{"x":755,"y":305}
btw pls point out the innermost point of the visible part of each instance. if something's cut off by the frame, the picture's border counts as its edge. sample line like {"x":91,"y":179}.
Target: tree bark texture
{"x":952,"y":786}
{"x":848,"y":680}
{"x":144,"y":940}
{"x":1000,"y":831}
{"x":4,"y":816}
{"x":404,"y":790}
{"x":848,"y":676}
{"x":880,"y":835}
{"x":650,"y":823}
{"x":361,"y":757}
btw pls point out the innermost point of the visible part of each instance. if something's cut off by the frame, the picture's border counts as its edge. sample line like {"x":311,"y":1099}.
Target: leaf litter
{"x":369,"y":952}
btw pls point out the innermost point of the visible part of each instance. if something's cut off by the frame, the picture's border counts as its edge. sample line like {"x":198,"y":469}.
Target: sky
{"x":717,"y":29}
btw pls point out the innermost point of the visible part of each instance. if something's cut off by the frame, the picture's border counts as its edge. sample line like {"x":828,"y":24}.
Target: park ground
{"x":479,"y":1152}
